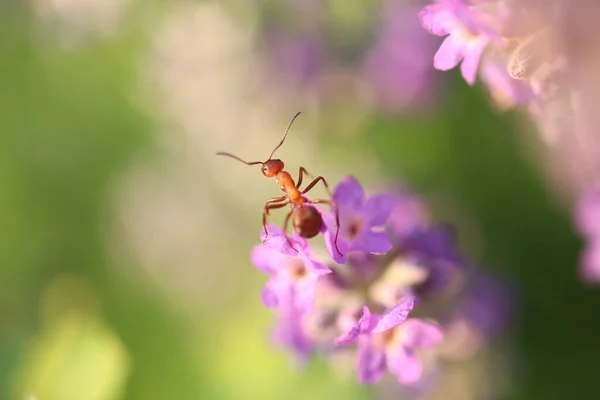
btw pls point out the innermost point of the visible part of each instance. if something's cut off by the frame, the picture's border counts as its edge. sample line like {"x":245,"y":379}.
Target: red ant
{"x":307,"y":220}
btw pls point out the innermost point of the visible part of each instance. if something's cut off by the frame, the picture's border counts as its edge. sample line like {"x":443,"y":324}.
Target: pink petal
{"x":449,"y":54}
{"x":313,"y":267}
{"x":420,"y":334}
{"x":288,"y":330}
{"x":370,"y":362}
{"x":305,"y":292}
{"x":268,"y":260}
{"x":587,"y":214}
{"x":277,"y":240}
{"x":404,"y":364}
{"x":501,"y":85}
{"x":364,"y":325}
{"x":269,"y":295}
{"x":395,"y":315}
{"x":472,"y":55}
{"x":437,"y":18}
{"x":590,"y":263}
{"x":273,"y":230}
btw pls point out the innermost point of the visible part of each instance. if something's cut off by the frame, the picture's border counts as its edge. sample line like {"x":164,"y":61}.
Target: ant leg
{"x":276,"y":199}
{"x":287,"y":221}
{"x":268,"y":207}
{"x":270,"y":201}
{"x":301,"y":175}
{"x":313,"y":183}
{"x":285,"y":228}
{"x":333,"y":206}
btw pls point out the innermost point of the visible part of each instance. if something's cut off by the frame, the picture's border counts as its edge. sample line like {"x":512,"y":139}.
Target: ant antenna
{"x":285,"y":134}
{"x":239,"y":159}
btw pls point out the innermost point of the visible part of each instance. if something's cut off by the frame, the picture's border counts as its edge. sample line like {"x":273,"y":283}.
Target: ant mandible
{"x":307,"y":221}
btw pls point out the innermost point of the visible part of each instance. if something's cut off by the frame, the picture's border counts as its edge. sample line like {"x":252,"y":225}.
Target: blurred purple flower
{"x":505,"y":90}
{"x":487,"y":304}
{"x":468,"y":33}
{"x":289,"y":331}
{"x":298,"y":58}
{"x":408,"y":215}
{"x":590,"y":262}
{"x":588,"y":221}
{"x":435,"y":243}
{"x":434,"y":250}
{"x":389,"y":342}
{"x":587,"y":214}
{"x":290,"y":270}
{"x":358,"y":218}
{"x":398,"y":65}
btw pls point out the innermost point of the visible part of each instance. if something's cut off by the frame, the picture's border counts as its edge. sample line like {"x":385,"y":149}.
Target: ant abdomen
{"x":307,"y":221}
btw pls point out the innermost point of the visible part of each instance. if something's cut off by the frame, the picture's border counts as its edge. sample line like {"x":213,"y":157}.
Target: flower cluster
{"x":542,"y":55}
{"x":515,"y":48}
{"x":371,"y":299}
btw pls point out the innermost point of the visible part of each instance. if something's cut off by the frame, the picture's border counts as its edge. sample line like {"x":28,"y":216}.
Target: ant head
{"x":270,"y":168}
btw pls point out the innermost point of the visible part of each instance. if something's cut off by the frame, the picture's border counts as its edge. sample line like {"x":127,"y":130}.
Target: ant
{"x":307,"y":221}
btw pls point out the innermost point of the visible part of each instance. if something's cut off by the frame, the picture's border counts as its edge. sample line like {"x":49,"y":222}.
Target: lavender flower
{"x":485,"y":304}
{"x":389,"y":342}
{"x":590,"y":262}
{"x":314,"y":305}
{"x":408,"y":215}
{"x":292,"y":271}
{"x":398,"y":65}
{"x":359,"y":220}
{"x":428,"y":253}
{"x":468,"y":32}
{"x":588,"y":214}
{"x":505,"y":91}
{"x":588,"y":222}
{"x":289,"y":331}
{"x":542,"y":55}
{"x":294,"y":58}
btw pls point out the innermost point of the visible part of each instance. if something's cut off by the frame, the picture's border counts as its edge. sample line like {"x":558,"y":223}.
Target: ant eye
{"x":264,"y":170}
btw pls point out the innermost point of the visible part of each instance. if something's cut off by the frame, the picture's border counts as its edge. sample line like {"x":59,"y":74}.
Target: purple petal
{"x":349,"y":338}
{"x":269,"y":295}
{"x":289,"y":331}
{"x":472,"y":55}
{"x":404,"y":364}
{"x":449,"y":54}
{"x":408,"y":214}
{"x":377,"y":210}
{"x":267,"y":260}
{"x":349,"y":194}
{"x":590,"y":263}
{"x":370,"y":362}
{"x":306,"y":290}
{"x":329,"y":236}
{"x":366,"y":323}
{"x":507,"y":90}
{"x":587,"y":214}
{"x":273,"y":230}
{"x":437,"y":18}
{"x":420,"y":334}
{"x":277,"y":240}
{"x":372,"y":242}
{"x":395,"y":315}
{"x":313,"y":267}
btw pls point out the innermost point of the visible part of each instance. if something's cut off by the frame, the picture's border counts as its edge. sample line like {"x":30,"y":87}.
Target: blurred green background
{"x":124,"y":270}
